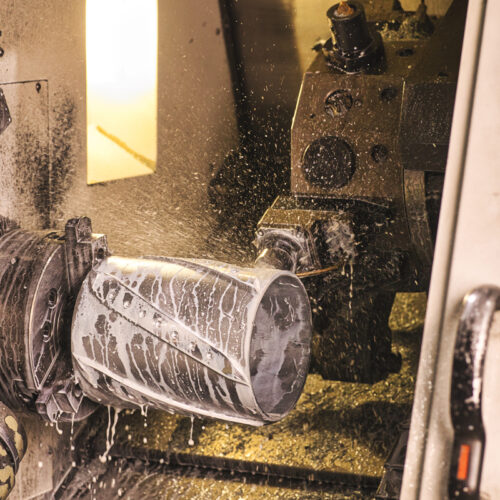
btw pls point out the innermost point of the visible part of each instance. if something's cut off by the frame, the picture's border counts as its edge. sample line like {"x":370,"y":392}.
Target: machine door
{"x":466,"y":266}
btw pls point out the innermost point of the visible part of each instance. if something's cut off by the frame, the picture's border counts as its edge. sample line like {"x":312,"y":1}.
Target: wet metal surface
{"x":192,"y":336}
{"x":24,"y":163}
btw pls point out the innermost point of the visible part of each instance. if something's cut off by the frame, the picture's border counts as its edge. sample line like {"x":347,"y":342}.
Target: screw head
{"x":338,"y":103}
{"x":379,"y":153}
{"x":52,"y":297}
{"x":46,"y":331}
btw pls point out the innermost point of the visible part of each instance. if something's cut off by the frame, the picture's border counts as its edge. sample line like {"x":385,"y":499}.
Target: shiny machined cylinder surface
{"x":193,"y":337}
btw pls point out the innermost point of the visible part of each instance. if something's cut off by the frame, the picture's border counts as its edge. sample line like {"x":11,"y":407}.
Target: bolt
{"x":379,"y":153}
{"x":338,"y":103}
{"x":46,"y":331}
{"x":83,"y":229}
{"x":52,"y":299}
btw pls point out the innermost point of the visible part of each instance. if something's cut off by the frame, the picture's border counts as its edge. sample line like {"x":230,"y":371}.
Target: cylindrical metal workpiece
{"x":193,"y":337}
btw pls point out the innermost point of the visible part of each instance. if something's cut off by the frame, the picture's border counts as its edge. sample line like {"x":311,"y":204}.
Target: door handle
{"x":466,"y":391}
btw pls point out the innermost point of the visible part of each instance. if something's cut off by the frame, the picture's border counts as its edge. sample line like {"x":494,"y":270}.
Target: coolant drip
{"x":351,"y":289}
{"x":110,"y":434}
{"x":191,"y":442}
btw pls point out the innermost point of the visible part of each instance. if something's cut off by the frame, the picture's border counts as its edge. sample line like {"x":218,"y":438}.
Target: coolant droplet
{"x":191,"y":441}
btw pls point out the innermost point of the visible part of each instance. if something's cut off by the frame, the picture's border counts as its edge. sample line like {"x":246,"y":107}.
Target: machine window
{"x":122,"y":41}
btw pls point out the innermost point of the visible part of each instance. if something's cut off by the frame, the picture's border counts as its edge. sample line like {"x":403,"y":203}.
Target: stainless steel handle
{"x":466,"y":391}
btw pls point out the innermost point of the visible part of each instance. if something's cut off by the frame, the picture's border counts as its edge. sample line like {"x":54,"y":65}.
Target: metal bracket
{"x":83,"y":250}
{"x":61,"y":398}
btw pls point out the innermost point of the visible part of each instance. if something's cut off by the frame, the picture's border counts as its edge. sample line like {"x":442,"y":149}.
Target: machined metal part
{"x":324,"y":235}
{"x":370,"y":129}
{"x":354,"y":46}
{"x":467,"y":390}
{"x":40,"y":273}
{"x":341,"y":251}
{"x":354,"y":180}
{"x":194,"y":337}
{"x":429,"y":96}
{"x":370,"y":133}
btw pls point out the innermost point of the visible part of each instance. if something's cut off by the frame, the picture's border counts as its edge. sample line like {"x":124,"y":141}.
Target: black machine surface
{"x":368,"y":154}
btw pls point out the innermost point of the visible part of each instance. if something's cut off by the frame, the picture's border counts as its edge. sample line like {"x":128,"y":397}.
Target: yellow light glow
{"x":122,"y":54}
